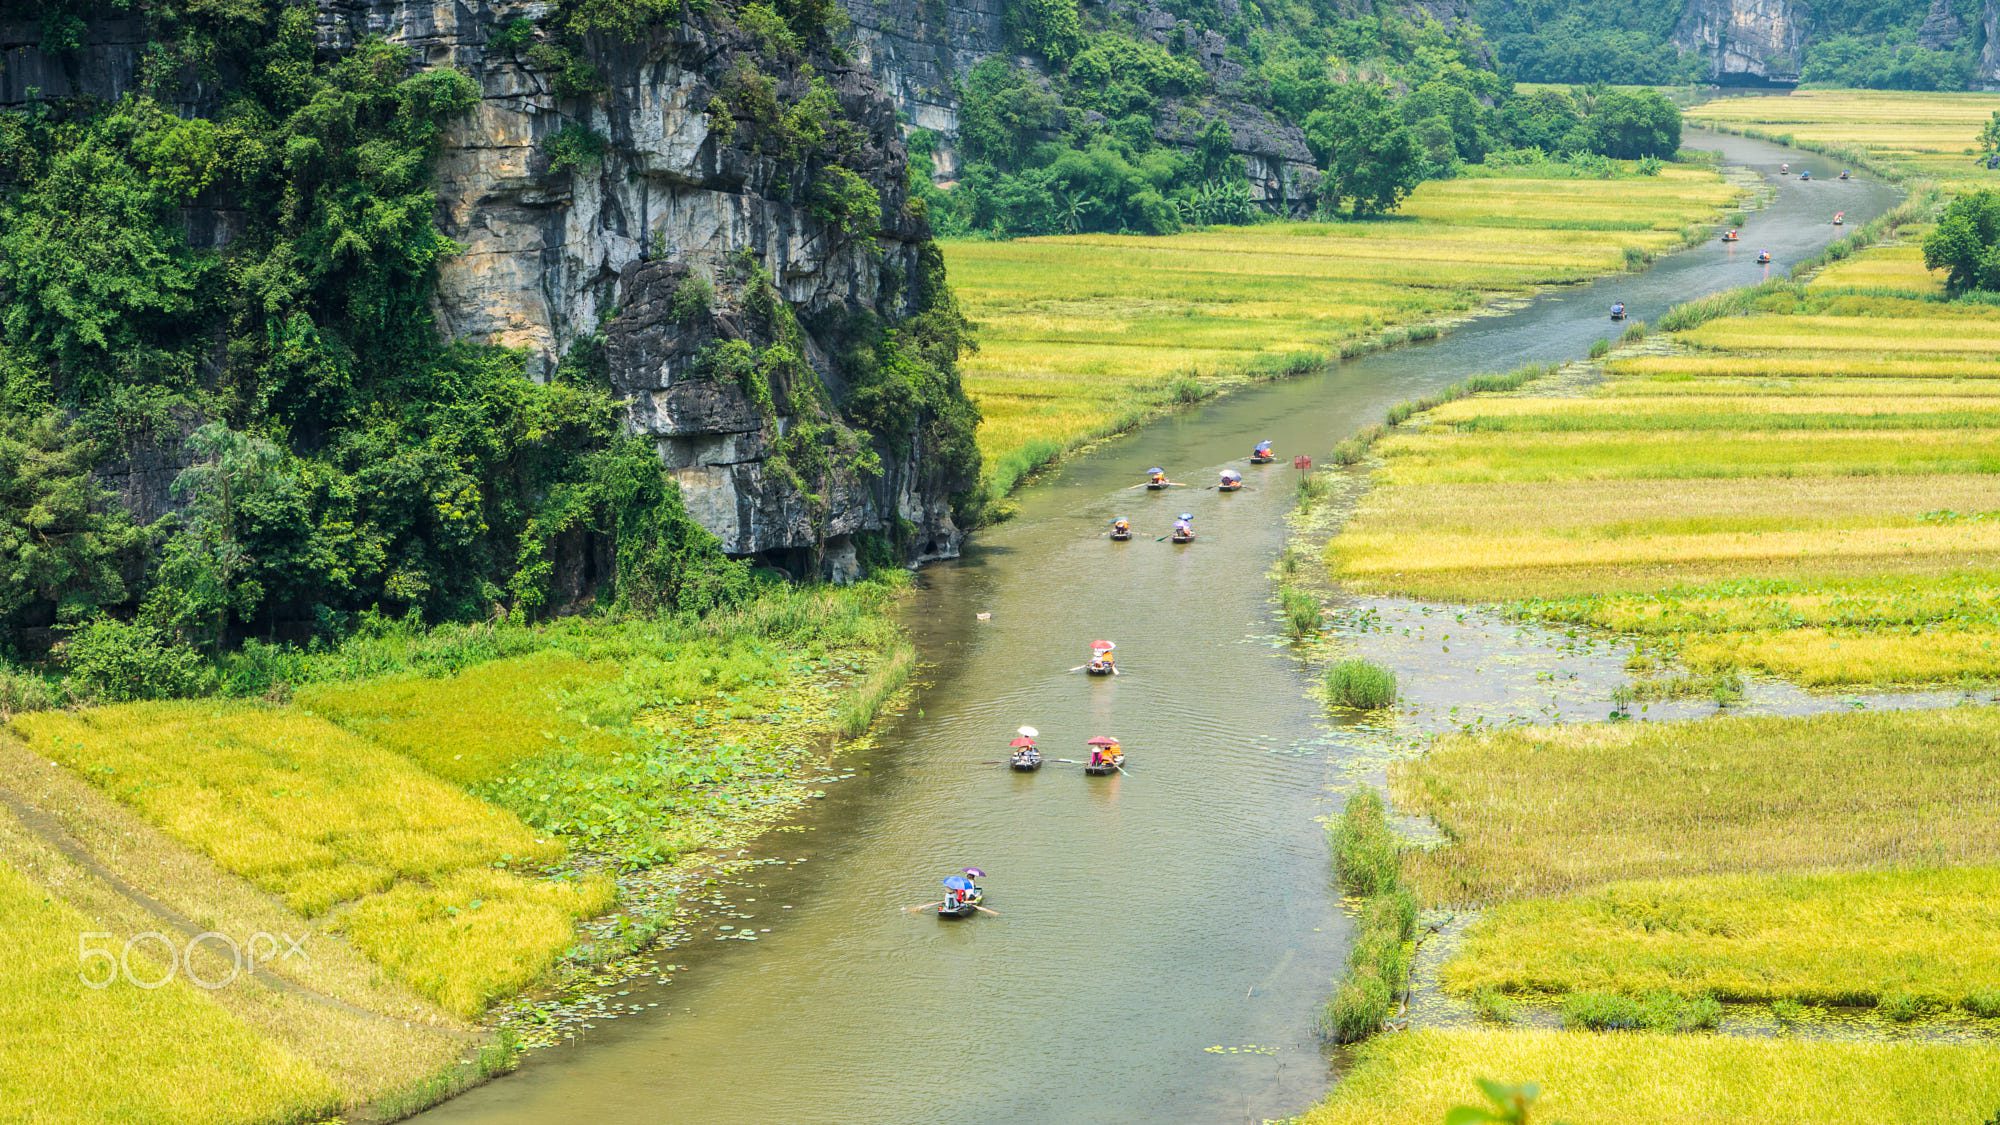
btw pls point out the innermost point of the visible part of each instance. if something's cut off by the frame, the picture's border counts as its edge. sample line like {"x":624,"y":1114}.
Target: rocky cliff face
{"x":921,"y":48}
{"x":1756,"y":41}
{"x":554,"y":256}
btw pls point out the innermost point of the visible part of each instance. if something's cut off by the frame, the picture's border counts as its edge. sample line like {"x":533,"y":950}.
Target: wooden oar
{"x":925,"y":906}
{"x":983,"y":910}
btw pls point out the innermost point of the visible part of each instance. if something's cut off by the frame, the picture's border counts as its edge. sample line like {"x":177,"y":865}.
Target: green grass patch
{"x":1361,"y":684}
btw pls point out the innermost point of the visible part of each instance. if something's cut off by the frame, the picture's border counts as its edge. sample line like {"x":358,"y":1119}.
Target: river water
{"x":1164,"y":939}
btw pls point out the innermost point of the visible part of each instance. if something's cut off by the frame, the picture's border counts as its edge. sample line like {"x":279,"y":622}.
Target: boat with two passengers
{"x":962,"y":895}
{"x":1102,"y":661}
{"x":1232,"y":481}
{"x":1106,"y":756}
{"x":1027,"y":757}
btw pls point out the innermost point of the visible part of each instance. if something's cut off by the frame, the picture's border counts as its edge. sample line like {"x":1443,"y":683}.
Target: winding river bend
{"x":1145,"y":920}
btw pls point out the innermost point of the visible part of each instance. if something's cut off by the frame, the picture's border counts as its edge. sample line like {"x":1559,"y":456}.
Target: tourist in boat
{"x":1786,"y":167}
{"x":1730,"y":236}
{"x":1231,"y":481}
{"x":1102,"y":662}
{"x":1763,"y":257}
{"x":1121,"y":528}
{"x":1843,"y":173}
{"x":1262,"y":454}
{"x":1184,"y":528}
{"x":1618,"y":310}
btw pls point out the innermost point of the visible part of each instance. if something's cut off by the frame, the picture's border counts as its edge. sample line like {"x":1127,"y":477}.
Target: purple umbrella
{"x":975,"y":873}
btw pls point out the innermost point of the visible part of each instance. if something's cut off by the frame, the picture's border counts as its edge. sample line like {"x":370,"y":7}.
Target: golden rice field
{"x":1806,"y":490}
{"x":73,"y":1054}
{"x":1928,"y":135}
{"x":336,"y":825}
{"x":1552,"y":810}
{"x":1617,"y":1079}
{"x":435,"y":821}
{"x":1082,"y":336}
{"x":1845,"y":938}
{"x":1803,"y":485}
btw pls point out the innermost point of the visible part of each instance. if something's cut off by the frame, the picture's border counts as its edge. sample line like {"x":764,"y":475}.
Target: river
{"x":1164,"y":939}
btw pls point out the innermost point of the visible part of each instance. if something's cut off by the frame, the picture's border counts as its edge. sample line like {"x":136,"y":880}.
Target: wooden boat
{"x":1121,"y":530}
{"x":962,"y":898}
{"x":1106,"y":757}
{"x":1025,"y":758}
{"x":1763,"y":257}
{"x":1843,"y":173}
{"x":1156,"y":479}
{"x":1840,"y":218}
{"x":1183,"y":537}
{"x":1232,"y":481}
{"x":1618,"y":314}
{"x":1731,"y":236}
{"x":1262,"y":455}
{"x":1102,"y":663}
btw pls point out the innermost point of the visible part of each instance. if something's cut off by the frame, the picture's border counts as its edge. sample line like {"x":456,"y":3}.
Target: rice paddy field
{"x":1616,"y":1079}
{"x":1800,"y":482}
{"x":1805,"y":489}
{"x":436,"y":813}
{"x":1082,"y":336}
{"x":1923,"y":135}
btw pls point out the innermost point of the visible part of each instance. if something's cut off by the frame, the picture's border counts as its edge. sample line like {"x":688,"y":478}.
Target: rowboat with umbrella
{"x":1106,"y":756}
{"x":1183,"y":528}
{"x":1156,"y":479}
{"x":1102,"y":662}
{"x":1232,"y":481}
{"x":1027,"y":757}
{"x":1262,"y":455}
{"x":1121,"y":529}
{"x":962,"y":895}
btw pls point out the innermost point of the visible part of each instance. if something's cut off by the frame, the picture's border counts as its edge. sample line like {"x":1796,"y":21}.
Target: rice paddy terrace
{"x":1795,"y":484}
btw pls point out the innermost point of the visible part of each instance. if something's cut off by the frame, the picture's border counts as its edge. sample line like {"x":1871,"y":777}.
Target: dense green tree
{"x":1966,"y":242}
{"x":65,"y":544}
{"x":1370,"y":157}
{"x":1628,"y":124}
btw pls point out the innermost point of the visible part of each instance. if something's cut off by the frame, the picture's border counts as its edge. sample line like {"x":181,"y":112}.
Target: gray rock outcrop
{"x":1755,"y":41}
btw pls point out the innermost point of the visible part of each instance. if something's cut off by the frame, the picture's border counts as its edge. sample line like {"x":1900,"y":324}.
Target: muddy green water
{"x":1146,"y":920}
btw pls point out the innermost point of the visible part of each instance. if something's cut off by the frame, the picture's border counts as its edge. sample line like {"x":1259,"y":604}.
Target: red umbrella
{"x":1020,"y":742}
{"x":1101,"y":646}
{"x":1100,"y":740}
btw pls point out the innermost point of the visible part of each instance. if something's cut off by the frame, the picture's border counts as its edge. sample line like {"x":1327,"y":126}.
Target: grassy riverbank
{"x":431,"y":814}
{"x":1794,"y":481}
{"x":1083,"y":336}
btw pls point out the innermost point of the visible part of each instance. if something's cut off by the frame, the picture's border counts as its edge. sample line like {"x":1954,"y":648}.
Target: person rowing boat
{"x":1262,"y":455}
{"x":1184,"y":528}
{"x":1121,"y":529}
{"x":1232,"y":481}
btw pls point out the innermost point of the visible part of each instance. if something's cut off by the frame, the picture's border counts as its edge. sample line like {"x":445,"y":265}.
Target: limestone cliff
{"x":1756,"y":41}
{"x":668,"y":178}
